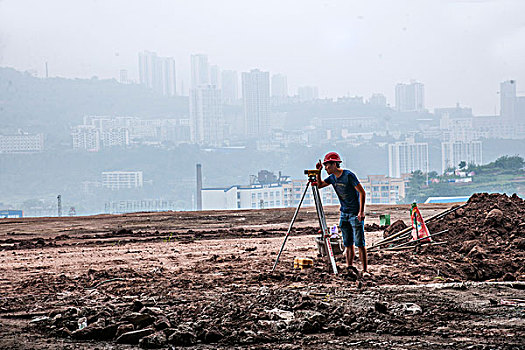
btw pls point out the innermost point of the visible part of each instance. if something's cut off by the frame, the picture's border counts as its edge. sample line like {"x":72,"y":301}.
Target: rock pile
{"x":267,"y":316}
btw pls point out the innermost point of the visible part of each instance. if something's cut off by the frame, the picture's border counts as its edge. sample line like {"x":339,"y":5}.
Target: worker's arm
{"x":320,"y":182}
{"x":362,"y":198}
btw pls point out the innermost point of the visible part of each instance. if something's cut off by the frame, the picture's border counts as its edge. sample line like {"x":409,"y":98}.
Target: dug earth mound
{"x":206,"y":289}
{"x":485,"y":241}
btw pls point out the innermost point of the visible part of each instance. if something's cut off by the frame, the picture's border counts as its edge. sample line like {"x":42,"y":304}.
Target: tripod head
{"x":312,"y":175}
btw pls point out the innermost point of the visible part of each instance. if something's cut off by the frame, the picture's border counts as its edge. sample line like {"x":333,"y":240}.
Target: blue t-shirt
{"x":344,"y":186}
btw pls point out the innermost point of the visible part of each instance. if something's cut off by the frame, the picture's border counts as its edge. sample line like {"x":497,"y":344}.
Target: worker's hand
{"x":361,"y":216}
{"x":319,"y":166}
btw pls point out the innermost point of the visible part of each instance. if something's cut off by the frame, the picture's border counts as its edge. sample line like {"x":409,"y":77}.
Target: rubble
{"x":177,"y":294}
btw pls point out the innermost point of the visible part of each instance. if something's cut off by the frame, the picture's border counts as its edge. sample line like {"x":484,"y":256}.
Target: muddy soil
{"x":485,"y":241}
{"x":204,"y":281}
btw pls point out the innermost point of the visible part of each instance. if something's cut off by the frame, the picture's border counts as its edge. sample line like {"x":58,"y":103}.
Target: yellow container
{"x":301,"y":263}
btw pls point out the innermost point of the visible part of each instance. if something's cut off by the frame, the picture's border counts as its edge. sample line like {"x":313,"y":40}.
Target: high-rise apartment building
{"x":206,"y":119}
{"x":407,"y":156}
{"x":200,"y":70}
{"x":147,"y":61}
{"x":256,"y":99}
{"x":520,"y":110}
{"x":157,"y":73}
{"x":86,"y":137}
{"x":101,"y":132}
{"x":279,"y":86}
{"x":206,"y":115}
{"x":410,"y":97}
{"x":114,"y":137}
{"x":124,"y":76}
{"x":229,"y":86}
{"x":215,"y":76}
{"x":308,"y":93}
{"x":167,"y":77}
{"x":21,"y":143}
{"x":455,"y":152}
{"x":508,"y":99}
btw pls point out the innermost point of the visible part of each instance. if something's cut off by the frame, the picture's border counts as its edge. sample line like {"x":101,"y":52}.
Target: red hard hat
{"x":331,"y":157}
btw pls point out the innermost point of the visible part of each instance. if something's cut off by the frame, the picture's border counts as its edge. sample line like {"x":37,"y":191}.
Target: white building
{"x":229,"y":86}
{"x":168,"y":77}
{"x":458,"y":129}
{"x":200,"y":70}
{"x":206,"y":115}
{"x":215,"y":75}
{"x":158,"y":73}
{"x":116,"y":180}
{"x":380,"y":189}
{"x":378,"y":100}
{"x":279,"y":86}
{"x":257,"y":196}
{"x":21,"y":143}
{"x":104,"y":131}
{"x":176,"y":131}
{"x":243,"y":197}
{"x":256,"y":99}
{"x":410,"y":97}
{"x":114,"y":137}
{"x":308,"y":93}
{"x":508,"y":100}
{"x":455,"y":152}
{"x":407,"y":156}
{"x":112,"y":132}
{"x":124,"y":76}
{"x":86,"y":137}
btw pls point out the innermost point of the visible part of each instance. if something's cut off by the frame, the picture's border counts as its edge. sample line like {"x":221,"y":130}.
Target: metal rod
{"x":415,"y":246}
{"x":408,"y":229}
{"x":417,"y":240}
{"x":324,"y":228}
{"x":290,"y":227}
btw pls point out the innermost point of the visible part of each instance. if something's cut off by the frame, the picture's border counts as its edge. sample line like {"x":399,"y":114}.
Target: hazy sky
{"x":460,"y":49}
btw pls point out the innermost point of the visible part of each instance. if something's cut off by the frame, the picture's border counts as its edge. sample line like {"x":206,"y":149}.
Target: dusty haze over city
{"x":460,"y":49}
{"x":154,"y":155}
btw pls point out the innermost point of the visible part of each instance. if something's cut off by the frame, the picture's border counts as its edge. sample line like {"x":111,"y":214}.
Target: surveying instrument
{"x":325,"y":232}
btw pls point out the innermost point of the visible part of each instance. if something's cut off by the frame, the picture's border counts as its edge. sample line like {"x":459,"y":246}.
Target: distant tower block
{"x":199,"y":187}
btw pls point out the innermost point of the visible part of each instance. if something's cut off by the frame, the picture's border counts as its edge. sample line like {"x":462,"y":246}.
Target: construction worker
{"x":352,"y":199}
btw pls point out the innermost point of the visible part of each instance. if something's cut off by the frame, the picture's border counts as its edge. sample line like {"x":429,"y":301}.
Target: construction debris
{"x":483,"y":239}
{"x":199,"y":290}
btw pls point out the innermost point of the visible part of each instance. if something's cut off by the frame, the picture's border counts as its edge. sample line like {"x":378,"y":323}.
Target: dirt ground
{"x":203,"y":280}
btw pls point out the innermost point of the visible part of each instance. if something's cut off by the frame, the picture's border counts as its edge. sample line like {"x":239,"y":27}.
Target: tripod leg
{"x":290,"y":227}
{"x":324,"y":229}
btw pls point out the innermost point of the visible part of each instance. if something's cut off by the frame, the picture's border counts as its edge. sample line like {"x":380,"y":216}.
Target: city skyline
{"x":460,"y":50}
